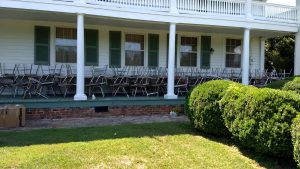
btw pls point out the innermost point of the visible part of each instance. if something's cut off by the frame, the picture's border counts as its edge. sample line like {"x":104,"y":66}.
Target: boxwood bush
{"x":202,"y":107}
{"x":261,"y":118}
{"x":293,"y":85}
{"x":296,"y":139}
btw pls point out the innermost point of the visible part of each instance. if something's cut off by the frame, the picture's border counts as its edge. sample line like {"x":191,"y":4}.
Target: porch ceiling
{"x":91,"y":20}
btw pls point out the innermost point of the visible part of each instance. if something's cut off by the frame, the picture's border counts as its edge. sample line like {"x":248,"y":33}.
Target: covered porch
{"x":46,"y":55}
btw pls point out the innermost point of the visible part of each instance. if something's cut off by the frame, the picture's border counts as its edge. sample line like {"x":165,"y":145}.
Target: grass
{"x":280,"y":83}
{"x":156,"y":145}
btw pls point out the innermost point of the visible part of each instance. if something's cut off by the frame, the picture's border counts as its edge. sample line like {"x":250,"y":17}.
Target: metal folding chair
{"x":98,"y":80}
{"x":66,"y":84}
{"x":141,"y":82}
{"x":181,"y":83}
{"x":38,"y":88}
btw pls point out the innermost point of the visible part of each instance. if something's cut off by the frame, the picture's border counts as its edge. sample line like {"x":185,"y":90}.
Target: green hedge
{"x":293,"y":85}
{"x":202,"y":107}
{"x":261,"y":118}
{"x":296,"y":139}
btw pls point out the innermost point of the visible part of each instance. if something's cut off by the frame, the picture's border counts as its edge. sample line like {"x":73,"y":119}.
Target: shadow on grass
{"x":55,"y":136}
{"x":264,"y":160}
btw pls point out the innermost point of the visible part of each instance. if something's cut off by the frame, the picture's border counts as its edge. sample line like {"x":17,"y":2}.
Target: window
{"x":233,"y":53}
{"x":134,"y":50}
{"x":66,"y":45}
{"x":188,"y":51}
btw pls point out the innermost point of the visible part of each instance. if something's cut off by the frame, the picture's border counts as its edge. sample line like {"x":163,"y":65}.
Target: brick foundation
{"x":58,"y":113}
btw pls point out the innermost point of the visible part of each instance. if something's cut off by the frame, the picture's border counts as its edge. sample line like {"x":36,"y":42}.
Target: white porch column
{"x":297,"y":54}
{"x":262,"y":53}
{"x":248,"y":9}
{"x":80,"y":59}
{"x":171,"y":64}
{"x":246,"y":57}
{"x":173,"y":6}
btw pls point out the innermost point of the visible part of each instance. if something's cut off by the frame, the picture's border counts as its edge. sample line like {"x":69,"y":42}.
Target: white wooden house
{"x":162,"y":33}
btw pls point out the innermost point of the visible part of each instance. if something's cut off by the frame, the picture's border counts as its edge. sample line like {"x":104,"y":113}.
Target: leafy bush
{"x":293,"y":85}
{"x":202,"y":107}
{"x":296,"y":139}
{"x":261,"y":118}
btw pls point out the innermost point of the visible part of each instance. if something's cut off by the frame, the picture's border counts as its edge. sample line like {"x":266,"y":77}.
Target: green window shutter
{"x":41,"y":45}
{"x":205,"y":51}
{"x":176,"y":41}
{"x":153,"y":52}
{"x":91,"y":47}
{"x":115,"y":49}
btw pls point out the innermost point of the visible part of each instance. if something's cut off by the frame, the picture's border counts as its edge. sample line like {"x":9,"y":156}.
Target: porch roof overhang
{"x":43,"y":16}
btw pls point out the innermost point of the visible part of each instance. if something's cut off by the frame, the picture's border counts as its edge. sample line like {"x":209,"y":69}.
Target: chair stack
{"x":28,"y":80}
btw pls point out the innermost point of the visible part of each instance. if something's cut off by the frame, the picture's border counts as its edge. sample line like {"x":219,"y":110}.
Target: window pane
{"x":65,"y":54}
{"x":134,"y":42}
{"x":134,"y":58}
{"x":134,"y":50}
{"x":66,"y":45}
{"x":233,"y":53}
{"x":188,"y":49}
{"x":66,"y":33}
{"x":233,"y":60}
{"x":188,"y":59}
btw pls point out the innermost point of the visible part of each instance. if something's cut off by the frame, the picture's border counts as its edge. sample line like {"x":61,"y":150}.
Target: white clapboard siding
{"x":17,"y":43}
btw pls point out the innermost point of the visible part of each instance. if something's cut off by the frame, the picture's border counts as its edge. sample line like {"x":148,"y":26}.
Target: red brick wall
{"x":58,"y":113}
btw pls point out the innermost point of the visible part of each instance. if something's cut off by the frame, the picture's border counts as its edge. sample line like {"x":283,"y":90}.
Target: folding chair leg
{"x":123,"y":89}
{"x":135,"y":90}
{"x":16,"y":92}
{"x":40,"y":93}
{"x":116,"y":91}
{"x":143,"y":91}
{"x":90,"y":90}
{"x":103,"y":95}
{"x":1,"y":89}
{"x":66,"y":91}
{"x":24,"y":95}
{"x":146,"y":92}
{"x":52,"y":90}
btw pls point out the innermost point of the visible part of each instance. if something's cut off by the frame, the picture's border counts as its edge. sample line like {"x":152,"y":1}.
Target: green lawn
{"x":280,"y":83}
{"x":157,"y":145}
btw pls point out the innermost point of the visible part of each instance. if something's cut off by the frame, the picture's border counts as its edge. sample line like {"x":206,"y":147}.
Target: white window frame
{"x":195,"y":52}
{"x":225,"y":58}
{"x":123,"y":55}
{"x":54,"y":42}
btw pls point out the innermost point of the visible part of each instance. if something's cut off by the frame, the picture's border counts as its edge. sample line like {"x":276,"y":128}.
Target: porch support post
{"x":262,"y":53}
{"x":171,"y":64}
{"x":297,"y":54}
{"x":80,"y":59}
{"x":173,"y":7}
{"x":246,"y":57}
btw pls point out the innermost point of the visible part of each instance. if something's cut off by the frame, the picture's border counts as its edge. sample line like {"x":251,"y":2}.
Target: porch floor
{"x":68,"y":102}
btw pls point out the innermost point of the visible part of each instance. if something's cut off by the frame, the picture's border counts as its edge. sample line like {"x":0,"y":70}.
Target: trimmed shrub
{"x":293,"y":85}
{"x":261,"y":118}
{"x":296,"y":139}
{"x":202,"y":107}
